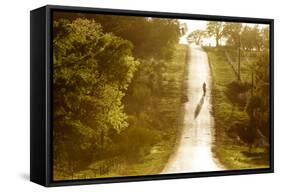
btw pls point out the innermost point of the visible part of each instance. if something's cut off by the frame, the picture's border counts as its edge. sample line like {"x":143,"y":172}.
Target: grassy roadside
{"x":170,"y":106}
{"x":231,"y":154}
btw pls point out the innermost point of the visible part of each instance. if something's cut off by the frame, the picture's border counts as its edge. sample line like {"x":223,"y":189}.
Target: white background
{"x":14,"y":94}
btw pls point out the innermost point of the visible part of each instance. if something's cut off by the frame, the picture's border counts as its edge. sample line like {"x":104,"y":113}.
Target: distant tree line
{"x":234,"y":35}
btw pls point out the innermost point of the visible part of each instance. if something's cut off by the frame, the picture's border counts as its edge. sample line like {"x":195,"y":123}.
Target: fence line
{"x":231,"y":63}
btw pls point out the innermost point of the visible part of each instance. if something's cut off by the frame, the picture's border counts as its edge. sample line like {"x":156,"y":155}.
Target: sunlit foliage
{"x":92,"y":70}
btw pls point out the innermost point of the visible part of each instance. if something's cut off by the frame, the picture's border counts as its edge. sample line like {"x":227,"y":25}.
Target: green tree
{"x":196,"y":36}
{"x":251,"y":38}
{"x":88,"y":88}
{"x":232,"y":31}
{"x":151,"y":37}
{"x":260,"y":109}
{"x":215,"y":29}
{"x":265,"y":37}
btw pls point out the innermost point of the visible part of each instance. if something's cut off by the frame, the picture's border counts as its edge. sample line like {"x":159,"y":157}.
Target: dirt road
{"x":193,"y":153}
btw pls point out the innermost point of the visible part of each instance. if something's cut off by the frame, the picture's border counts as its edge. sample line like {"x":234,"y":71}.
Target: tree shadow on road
{"x":199,"y":106}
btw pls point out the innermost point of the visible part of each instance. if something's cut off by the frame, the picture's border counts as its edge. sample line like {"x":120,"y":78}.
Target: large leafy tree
{"x":91,"y":72}
{"x":196,"y":36}
{"x":215,"y":29}
{"x":151,"y":37}
{"x":258,"y":105}
{"x":265,"y":37}
{"x":232,"y":32}
{"x":251,"y":38}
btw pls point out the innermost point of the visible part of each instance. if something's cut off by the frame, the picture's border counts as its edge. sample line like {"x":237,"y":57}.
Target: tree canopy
{"x":215,"y":29}
{"x":88,"y":86}
{"x":196,"y":36}
{"x":232,"y":32}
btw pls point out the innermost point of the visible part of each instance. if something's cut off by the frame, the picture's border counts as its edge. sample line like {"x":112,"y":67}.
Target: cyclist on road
{"x":204,"y":88}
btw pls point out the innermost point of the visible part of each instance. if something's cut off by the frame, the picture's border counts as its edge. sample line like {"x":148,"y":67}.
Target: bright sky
{"x":193,"y":25}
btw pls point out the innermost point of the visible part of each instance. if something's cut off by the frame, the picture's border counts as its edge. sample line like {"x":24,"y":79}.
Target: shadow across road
{"x":199,"y":106}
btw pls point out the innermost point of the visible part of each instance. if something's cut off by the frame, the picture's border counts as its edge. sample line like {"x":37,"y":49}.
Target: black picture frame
{"x":41,"y":94}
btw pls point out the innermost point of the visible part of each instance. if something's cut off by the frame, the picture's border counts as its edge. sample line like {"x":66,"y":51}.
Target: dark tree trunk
{"x":217,"y":42}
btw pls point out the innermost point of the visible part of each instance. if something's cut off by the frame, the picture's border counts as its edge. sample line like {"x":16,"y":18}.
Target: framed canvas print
{"x":123,"y":95}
